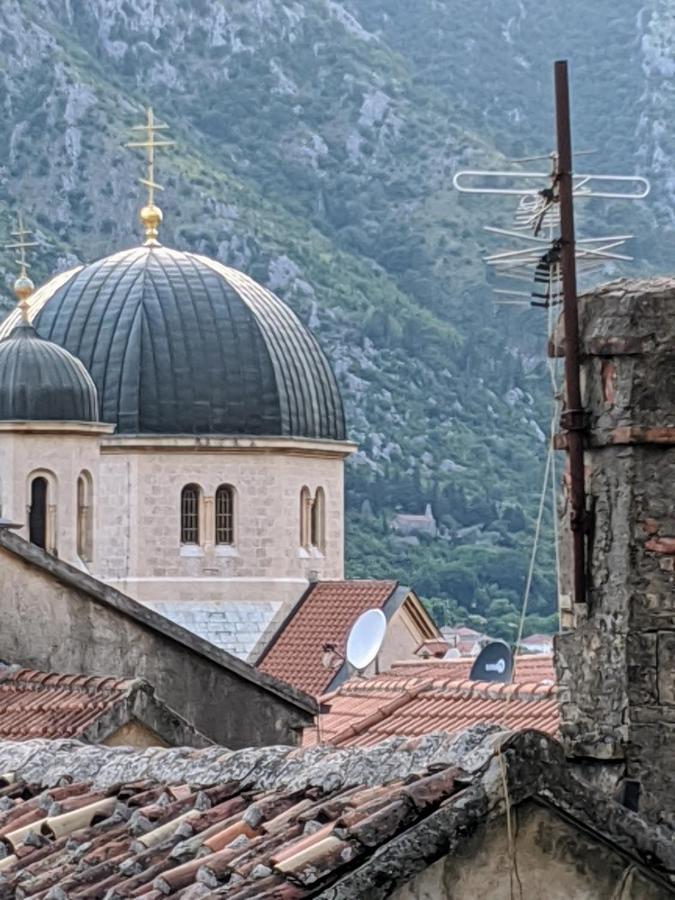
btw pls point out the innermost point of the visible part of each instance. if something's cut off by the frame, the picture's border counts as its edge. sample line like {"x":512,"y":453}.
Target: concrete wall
{"x":616,"y":660}
{"x":553,"y":861}
{"x":74,"y":624}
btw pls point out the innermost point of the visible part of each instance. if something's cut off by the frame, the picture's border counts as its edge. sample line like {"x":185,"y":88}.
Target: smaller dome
{"x":40,"y":381}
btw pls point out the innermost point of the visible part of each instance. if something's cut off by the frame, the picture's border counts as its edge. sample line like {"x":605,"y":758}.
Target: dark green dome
{"x":179,"y":344}
{"x":40,"y":381}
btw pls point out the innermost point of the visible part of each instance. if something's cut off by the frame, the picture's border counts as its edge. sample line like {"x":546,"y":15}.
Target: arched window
{"x":37,"y":518}
{"x":85,"y":519}
{"x":225,"y":514}
{"x":319,"y":520}
{"x":305,"y":513}
{"x":189,"y":514}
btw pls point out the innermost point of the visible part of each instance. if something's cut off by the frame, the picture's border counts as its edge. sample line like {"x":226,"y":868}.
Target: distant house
{"x":308,"y":649}
{"x":537,"y":643}
{"x":467,"y":641}
{"x":96,"y":710}
{"x":436,"y":696}
{"x":409,"y":525}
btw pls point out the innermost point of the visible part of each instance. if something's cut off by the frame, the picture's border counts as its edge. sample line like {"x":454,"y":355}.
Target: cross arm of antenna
{"x":521,"y":235}
{"x":477,"y":181}
{"x":589,"y":186}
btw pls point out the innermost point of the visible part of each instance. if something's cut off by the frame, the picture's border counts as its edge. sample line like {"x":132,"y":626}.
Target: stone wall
{"x":136,"y":493}
{"x":55,"y":618}
{"x":616,"y":664}
{"x":142,"y":552}
{"x":552,"y":860}
{"x":59,"y":456}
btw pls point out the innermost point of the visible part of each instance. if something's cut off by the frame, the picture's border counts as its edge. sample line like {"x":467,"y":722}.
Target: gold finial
{"x":150,"y":215}
{"x":23,"y":286}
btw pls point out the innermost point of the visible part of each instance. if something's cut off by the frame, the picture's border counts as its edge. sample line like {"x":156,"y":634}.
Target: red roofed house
{"x":537,"y":643}
{"x":308,"y":649}
{"x":111,"y":711}
{"x":420,"y":697}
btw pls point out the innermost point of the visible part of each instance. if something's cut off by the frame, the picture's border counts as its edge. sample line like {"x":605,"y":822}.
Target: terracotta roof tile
{"x":318,"y":822}
{"x":324,"y":615}
{"x":413,"y":700}
{"x":48,"y":704}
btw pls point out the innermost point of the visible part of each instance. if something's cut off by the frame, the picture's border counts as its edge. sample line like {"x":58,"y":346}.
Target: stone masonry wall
{"x":142,"y":553}
{"x":616,"y":665}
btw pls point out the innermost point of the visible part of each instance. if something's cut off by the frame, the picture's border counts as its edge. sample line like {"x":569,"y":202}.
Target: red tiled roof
{"x":529,"y":667}
{"x":435,"y":647}
{"x":277,"y":822}
{"x":412,"y":700}
{"x":43,"y":704}
{"x":324,"y":615}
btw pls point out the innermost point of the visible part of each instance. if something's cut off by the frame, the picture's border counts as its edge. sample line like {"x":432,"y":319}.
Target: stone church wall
{"x":141,"y":551}
{"x":60,"y":457}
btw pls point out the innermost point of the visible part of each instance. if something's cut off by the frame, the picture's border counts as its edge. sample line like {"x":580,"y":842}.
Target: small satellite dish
{"x":365,"y":638}
{"x":493,"y":663}
{"x":452,"y":653}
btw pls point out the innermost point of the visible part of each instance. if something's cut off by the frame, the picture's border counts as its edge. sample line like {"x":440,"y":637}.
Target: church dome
{"x":40,"y":381}
{"x":179,"y":344}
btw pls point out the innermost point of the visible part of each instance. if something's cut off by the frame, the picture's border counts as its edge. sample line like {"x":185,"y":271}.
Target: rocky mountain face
{"x":316,"y":144}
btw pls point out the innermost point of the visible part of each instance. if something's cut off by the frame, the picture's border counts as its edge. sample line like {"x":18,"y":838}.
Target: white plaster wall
{"x":60,"y":457}
{"x":143,"y":555}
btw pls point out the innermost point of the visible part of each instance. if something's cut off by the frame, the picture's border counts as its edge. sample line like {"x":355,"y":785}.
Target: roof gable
{"x":324,"y":614}
{"x":91,"y":708}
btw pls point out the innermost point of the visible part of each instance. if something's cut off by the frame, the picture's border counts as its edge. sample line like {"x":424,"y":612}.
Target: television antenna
{"x":535,"y":230}
{"x":365,"y":639}
{"x":548,"y":256}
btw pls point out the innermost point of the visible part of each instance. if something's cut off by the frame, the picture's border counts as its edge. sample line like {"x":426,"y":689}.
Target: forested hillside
{"x":316,"y":143}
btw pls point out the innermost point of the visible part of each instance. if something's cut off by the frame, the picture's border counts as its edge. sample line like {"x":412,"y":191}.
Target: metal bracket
{"x":574,"y":420}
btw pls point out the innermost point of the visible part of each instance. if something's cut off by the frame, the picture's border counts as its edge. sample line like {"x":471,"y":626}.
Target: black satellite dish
{"x":493,"y":663}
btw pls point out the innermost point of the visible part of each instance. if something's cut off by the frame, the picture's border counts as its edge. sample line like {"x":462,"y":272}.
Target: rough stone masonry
{"x":616,"y":663}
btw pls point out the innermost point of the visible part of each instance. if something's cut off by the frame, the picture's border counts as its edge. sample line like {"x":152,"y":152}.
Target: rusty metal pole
{"x":573,"y":419}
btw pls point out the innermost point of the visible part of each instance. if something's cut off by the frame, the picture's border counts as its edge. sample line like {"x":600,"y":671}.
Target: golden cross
{"x":23,"y":286}
{"x":150,"y":144}
{"x":21,"y":244}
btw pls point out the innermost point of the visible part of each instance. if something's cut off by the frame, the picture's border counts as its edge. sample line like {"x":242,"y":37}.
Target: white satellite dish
{"x":365,"y":638}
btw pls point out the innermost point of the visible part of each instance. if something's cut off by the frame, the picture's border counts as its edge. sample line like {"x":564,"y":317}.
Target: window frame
{"x":194,"y":526}
{"x":224,"y":490}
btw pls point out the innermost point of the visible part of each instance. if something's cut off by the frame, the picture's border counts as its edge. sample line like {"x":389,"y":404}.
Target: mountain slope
{"x":316,"y":144}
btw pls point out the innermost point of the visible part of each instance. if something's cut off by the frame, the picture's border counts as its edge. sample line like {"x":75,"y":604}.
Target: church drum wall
{"x":142,"y":552}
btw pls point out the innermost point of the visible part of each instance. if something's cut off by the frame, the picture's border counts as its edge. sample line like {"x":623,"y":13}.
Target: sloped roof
{"x":234,"y":627}
{"x":278,"y":822}
{"x":529,"y":667}
{"x":413,"y":700}
{"x":54,"y":705}
{"x":324,"y":614}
